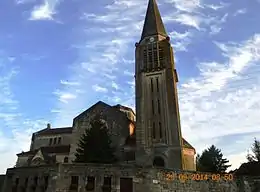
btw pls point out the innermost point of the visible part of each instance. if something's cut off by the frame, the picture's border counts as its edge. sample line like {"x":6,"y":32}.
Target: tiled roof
{"x":124,"y":107}
{"x":48,"y":149}
{"x":91,"y":108}
{"x":53,"y":131}
{"x":186,"y":144}
{"x":153,"y":24}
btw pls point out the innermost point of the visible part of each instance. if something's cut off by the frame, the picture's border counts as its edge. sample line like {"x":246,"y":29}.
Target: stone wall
{"x":143,"y":179}
{"x":43,"y":140}
{"x":117,"y":123}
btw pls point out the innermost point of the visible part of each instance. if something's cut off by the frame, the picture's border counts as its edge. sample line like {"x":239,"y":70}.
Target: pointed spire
{"x":153,"y":24}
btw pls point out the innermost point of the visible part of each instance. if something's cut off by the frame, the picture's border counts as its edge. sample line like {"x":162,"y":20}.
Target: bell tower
{"x":158,"y":131}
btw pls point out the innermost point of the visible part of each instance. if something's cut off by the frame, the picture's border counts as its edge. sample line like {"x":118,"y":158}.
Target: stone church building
{"x":148,"y":144}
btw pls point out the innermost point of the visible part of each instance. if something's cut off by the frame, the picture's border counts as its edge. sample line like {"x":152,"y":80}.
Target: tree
{"x":211,"y":160}
{"x":95,"y":144}
{"x":256,"y":152}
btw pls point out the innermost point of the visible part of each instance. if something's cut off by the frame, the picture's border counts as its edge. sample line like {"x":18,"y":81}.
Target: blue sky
{"x":57,"y":58}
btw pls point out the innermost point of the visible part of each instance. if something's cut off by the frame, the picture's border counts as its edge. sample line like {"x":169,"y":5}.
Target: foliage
{"x":95,"y":144}
{"x":256,"y":152}
{"x":211,"y":160}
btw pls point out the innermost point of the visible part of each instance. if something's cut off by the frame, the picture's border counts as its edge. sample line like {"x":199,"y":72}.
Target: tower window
{"x":152,"y":84}
{"x":152,"y":107}
{"x":157,"y":84}
{"x":59,"y":140}
{"x":161,"y":56}
{"x":150,"y":58}
{"x":160,"y":129}
{"x":159,"y":108}
{"x":154,"y":130}
{"x":50,"y":141}
{"x":55,"y":141}
{"x":145,"y":59}
{"x":155,"y":57}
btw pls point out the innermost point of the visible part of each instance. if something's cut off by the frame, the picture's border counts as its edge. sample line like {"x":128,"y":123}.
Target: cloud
{"x":16,"y":129}
{"x":24,"y":1}
{"x":240,"y":12}
{"x":45,"y":11}
{"x":65,"y":97}
{"x":223,"y":99}
{"x":18,"y":140}
{"x":98,"y":88}
{"x":69,"y":83}
{"x":181,"y":40}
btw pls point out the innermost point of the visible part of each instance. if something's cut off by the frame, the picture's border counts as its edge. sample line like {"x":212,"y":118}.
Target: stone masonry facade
{"x":75,"y":178}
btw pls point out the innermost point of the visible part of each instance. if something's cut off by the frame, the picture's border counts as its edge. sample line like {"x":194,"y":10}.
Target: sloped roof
{"x":186,"y":144}
{"x":124,"y":107}
{"x":91,"y":108}
{"x":53,"y":131}
{"x":153,"y":24}
{"x":48,"y":149}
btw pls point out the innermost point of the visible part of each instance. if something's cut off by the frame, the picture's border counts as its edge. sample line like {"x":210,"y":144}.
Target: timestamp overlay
{"x":171,"y":176}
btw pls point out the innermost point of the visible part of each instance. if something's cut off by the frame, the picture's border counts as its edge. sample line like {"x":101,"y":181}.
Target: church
{"x":148,"y":142}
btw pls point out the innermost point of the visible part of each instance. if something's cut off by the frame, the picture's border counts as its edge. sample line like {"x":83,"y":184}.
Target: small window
{"x":74,"y":183}
{"x":107,"y":184}
{"x":159,"y":107}
{"x":66,"y":159}
{"x":35,"y":180}
{"x":152,"y":107}
{"x":157,"y":84}
{"x":154,"y":130}
{"x":90,"y":184}
{"x":59,"y":140}
{"x":26,"y":182}
{"x":50,"y":141}
{"x":17,"y":181}
{"x":55,"y":141}
{"x":46,"y":182}
{"x":160,"y":129}
{"x":151,"y":84}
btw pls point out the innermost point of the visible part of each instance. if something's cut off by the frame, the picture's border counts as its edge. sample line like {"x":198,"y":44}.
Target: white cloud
{"x":69,"y":83}
{"x":221,"y":5}
{"x":44,"y":11}
{"x":98,"y":88}
{"x":186,"y":6}
{"x":17,"y":142}
{"x":181,"y":40}
{"x":65,"y":97}
{"x":223,"y":100}
{"x":115,"y":86}
{"x":24,"y":1}
{"x":240,"y":12}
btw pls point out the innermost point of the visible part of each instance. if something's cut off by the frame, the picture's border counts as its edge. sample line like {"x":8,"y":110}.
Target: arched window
{"x":158,"y":162}
{"x":66,"y":159}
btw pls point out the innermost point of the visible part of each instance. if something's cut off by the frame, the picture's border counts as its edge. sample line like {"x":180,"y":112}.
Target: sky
{"x":57,"y":58}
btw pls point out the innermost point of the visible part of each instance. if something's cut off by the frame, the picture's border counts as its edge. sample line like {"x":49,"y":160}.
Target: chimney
{"x":48,"y":125}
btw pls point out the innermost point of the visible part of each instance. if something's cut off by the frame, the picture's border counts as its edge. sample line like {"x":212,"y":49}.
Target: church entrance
{"x":126,"y":185}
{"x":158,"y":162}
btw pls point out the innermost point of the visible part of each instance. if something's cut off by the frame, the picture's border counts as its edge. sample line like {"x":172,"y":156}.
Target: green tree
{"x":95,"y":144}
{"x":211,"y":160}
{"x":256,"y":152}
